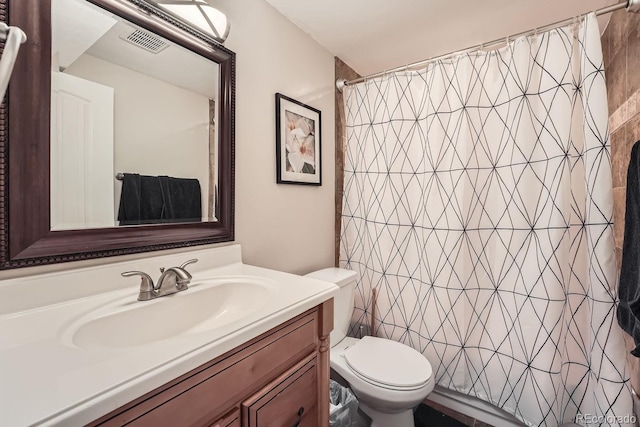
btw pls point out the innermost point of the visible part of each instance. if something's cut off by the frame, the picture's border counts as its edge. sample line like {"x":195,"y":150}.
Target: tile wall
{"x":343,"y":71}
{"x":621,"y":53}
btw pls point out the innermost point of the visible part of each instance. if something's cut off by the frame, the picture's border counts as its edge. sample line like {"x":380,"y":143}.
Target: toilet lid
{"x":389,"y":363}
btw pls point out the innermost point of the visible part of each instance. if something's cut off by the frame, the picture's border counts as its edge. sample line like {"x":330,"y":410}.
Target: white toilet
{"x":388,"y":378}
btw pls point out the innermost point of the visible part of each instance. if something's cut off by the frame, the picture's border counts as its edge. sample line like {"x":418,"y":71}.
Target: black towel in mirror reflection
{"x":158,"y":200}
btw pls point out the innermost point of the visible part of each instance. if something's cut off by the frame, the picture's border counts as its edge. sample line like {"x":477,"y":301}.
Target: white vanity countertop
{"x":45,"y":379}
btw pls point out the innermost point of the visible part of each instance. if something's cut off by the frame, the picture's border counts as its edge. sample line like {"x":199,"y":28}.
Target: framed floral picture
{"x":297,"y":142}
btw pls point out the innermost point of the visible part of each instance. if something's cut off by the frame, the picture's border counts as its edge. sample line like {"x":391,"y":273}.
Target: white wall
{"x":160,"y":129}
{"x":285,"y":227}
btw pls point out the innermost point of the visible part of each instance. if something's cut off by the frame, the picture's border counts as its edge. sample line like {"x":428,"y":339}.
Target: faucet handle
{"x":146,"y":284}
{"x":191,"y":261}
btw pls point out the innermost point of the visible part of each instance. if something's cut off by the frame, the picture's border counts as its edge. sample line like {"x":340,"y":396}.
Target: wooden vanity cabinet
{"x":280,"y":378}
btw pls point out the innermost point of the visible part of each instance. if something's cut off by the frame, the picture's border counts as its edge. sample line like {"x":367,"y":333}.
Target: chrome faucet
{"x":172,"y":280}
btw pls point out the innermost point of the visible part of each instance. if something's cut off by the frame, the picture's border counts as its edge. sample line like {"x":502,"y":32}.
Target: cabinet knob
{"x":300,"y":412}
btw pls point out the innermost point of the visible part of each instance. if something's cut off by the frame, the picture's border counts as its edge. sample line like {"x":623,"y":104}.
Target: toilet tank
{"x":343,"y":302}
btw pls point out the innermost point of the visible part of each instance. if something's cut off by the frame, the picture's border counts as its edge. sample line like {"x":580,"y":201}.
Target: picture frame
{"x":298,"y":142}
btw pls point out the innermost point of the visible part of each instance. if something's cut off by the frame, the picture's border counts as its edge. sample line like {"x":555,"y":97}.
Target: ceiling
{"x":80,"y":27}
{"x":168,"y":65}
{"x":376,"y":35}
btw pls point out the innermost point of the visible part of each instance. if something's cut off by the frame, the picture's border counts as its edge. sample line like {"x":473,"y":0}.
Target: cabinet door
{"x":291,"y":400}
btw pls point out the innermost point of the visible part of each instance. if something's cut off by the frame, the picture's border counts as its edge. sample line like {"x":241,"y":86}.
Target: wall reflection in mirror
{"x":133,"y":137}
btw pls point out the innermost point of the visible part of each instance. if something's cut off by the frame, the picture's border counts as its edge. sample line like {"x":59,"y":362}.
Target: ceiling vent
{"x":144,"y":40}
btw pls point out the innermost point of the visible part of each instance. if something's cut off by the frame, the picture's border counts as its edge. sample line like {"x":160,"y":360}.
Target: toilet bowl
{"x":388,"y":378}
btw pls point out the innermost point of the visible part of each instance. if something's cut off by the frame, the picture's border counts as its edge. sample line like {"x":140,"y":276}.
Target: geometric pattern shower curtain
{"x":478,"y":201}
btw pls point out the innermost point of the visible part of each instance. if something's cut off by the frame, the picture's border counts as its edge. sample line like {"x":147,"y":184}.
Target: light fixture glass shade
{"x":199,"y":14}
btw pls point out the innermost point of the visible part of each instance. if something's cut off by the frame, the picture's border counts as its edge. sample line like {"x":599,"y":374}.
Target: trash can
{"x":343,"y":411}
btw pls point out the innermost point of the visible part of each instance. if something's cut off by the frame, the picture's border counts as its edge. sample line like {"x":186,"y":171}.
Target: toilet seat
{"x":388,"y":364}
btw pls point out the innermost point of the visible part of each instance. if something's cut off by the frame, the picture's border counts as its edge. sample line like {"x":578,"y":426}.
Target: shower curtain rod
{"x":630,"y":5}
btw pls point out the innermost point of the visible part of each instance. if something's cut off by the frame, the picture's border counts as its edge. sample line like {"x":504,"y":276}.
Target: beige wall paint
{"x":160,"y":129}
{"x":285,"y":227}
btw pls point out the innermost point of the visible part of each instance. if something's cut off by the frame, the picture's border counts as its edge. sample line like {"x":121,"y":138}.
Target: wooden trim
{"x":325,"y":326}
{"x":25,"y":190}
{"x":25,"y":235}
{"x":325,"y":323}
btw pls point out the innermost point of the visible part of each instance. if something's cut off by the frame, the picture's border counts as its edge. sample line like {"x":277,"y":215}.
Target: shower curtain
{"x":478,"y":201}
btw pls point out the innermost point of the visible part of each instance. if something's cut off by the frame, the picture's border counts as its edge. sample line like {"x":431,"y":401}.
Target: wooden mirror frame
{"x":25,"y":235}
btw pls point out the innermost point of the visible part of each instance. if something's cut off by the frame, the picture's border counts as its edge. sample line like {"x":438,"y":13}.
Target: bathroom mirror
{"x":108,"y":95}
{"x":133,"y":137}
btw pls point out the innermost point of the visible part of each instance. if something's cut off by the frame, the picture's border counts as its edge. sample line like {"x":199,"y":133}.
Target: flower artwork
{"x":297,"y":142}
{"x":300,"y":146}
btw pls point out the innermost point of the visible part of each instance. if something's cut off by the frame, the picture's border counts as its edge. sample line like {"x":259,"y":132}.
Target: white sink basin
{"x":206,"y":305}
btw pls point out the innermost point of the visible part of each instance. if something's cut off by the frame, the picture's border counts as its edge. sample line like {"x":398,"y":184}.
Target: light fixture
{"x":199,"y":14}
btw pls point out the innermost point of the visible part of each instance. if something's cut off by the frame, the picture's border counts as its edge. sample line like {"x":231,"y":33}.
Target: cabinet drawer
{"x":290,"y":400}
{"x":206,"y":393}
